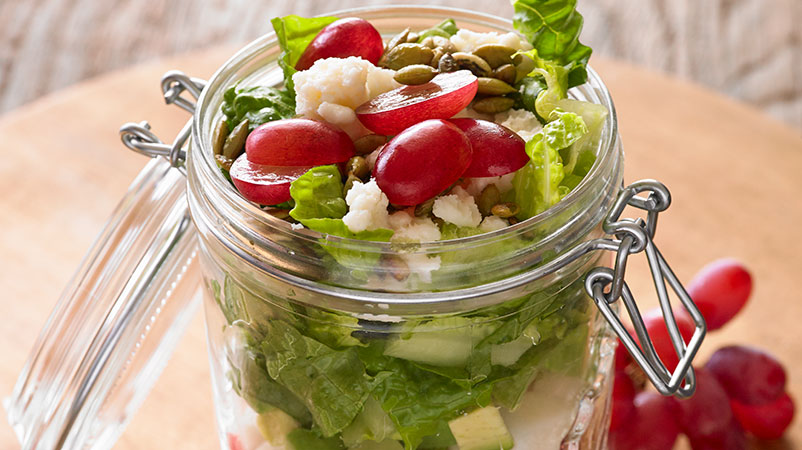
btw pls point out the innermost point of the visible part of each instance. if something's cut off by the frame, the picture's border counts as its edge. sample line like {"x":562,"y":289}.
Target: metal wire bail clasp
{"x":634,"y":236}
{"x":139,"y":138}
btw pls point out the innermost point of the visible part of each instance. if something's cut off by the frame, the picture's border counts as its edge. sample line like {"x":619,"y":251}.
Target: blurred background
{"x":748,"y":49}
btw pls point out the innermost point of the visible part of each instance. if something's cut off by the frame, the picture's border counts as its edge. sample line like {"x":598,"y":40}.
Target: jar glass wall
{"x":366,"y":345}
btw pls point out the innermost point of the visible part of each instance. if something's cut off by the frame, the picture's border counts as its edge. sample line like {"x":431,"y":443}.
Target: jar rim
{"x":607,"y":144}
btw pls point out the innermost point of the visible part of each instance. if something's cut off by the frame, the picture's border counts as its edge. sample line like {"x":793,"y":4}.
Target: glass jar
{"x":329,"y":342}
{"x":316,"y":337}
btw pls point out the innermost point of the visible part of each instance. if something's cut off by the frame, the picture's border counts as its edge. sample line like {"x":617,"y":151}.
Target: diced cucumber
{"x":443,"y":342}
{"x":275,"y":425}
{"x":483,"y":429}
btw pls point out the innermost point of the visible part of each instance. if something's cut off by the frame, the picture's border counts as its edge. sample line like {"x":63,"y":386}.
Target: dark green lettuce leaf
{"x":258,"y":104}
{"x":446,"y":28}
{"x":318,"y":194}
{"x":553,"y":28}
{"x":294,"y":34}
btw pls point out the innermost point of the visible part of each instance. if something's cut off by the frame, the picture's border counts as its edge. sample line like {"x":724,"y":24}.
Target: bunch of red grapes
{"x":740,"y":390}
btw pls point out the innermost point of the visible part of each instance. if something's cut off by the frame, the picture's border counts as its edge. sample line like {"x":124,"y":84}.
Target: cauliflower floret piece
{"x":408,"y":228}
{"x":468,"y":41}
{"x":492,"y":223}
{"x":476,"y":185}
{"x":367,"y":207}
{"x":520,"y":121}
{"x":458,"y":208}
{"x":345,"y":82}
{"x":421,"y":265}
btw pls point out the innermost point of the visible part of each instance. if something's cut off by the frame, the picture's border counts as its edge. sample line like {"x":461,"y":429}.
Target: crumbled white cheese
{"x":492,"y":223}
{"x":421,"y":265}
{"x":343,"y":117}
{"x":468,"y":41}
{"x":297,"y":226}
{"x":408,"y":228}
{"x":367,"y":207}
{"x":346,"y":82}
{"x":458,"y":208}
{"x":476,"y":185}
{"x":520,"y":121}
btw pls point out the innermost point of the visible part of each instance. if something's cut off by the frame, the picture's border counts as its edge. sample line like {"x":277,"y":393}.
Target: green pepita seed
{"x":219,"y":137}
{"x":223,"y":162}
{"x":493,"y":105}
{"x":505,"y":210}
{"x":368,"y":143}
{"x":489,"y":198}
{"x":235,"y":142}
{"x":358,"y":167}
{"x":396,"y":267}
{"x":505,"y":73}
{"x":399,"y":38}
{"x":428,"y":42}
{"x":424,"y":208}
{"x":438,"y":53}
{"x":279,"y":213}
{"x":447,"y":64}
{"x":413,"y":37}
{"x":492,"y":86}
{"x":475,"y":64}
{"x":415,"y":74}
{"x":407,"y":54}
{"x":444,"y":43}
{"x":512,"y":220}
{"x":495,"y":54}
{"x":349,"y":183}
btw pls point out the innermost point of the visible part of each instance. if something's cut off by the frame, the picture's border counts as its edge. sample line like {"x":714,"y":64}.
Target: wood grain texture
{"x":748,"y":49}
{"x":63,"y":185}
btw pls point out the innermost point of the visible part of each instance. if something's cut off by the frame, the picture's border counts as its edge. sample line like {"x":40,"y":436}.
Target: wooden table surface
{"x":734,"y":176}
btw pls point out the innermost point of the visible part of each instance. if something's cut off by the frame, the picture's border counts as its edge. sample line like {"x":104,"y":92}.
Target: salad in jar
{"x":436,"y":134}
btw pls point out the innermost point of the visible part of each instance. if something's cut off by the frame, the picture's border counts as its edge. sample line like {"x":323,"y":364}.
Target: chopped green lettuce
{"x":258,"y":104}
{"x":302,"y":439}
{"x":318,"y":194}
{"x":553,"y":28}
{"x":537,"y":184}
{"x":446,"y":28}
{"x":294,"y":34}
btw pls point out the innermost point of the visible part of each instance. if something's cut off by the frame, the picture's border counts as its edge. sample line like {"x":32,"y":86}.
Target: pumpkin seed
{"x":407,"y":54}
{"x":489,"y":197}
{"x":219,"y":137}
{"x":279,"y":213}
{"x":223,"y":162}
{"x":413,"y":37}
{"x":493,"y":105}
{"x":349,"y":183}
{"x":415,"y":74}
{"x":496,"y":55}
{"x":428,"y":42}
{"x":512,"y":220}
{"x":444,"y":43}
{"x":424,"y":208}
{"x":235,"y":142}
{"x":505,"y":210}
{"x":492,"y":86}
{"x":524,"y":65}
{"x":438,"y":53}
{"x":368,"y":143}
{"x":358,"y":167}
{"x":399,"y":38}
{"x":396,"y":267}
{"x":475,"y":64}
{"x":447,"y":64}
{"x":505,"y":73}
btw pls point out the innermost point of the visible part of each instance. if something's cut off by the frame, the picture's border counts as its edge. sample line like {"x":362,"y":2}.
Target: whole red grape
{"x":767,"y":421}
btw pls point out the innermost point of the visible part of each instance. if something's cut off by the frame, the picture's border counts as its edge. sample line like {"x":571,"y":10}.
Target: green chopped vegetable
{"x":446,"y":28}
{"x":318,"y":194}
{"x":294,"y":34}
{"x":258,"y":104}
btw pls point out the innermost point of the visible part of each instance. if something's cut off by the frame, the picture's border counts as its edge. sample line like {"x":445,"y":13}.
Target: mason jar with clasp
{"x":499,"y":340}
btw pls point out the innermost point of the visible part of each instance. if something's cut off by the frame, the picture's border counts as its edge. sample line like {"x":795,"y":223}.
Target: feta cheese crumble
{"x":367,"y":207}
{"x":520,"y":121}
{"x":492,"y":223}
{"x":458,"y":208}
{"x":408,"y":228}
{"x":476,"y":185}
{"x":468,"y":41}
{"x":334,"y":86}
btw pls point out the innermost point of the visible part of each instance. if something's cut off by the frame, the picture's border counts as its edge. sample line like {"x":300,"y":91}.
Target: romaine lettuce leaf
{"x":332,"y":329}
{"x":553,"y":28}
{"x":258,"y":104}
{"x":294,"y":34}
{"x":300,"y":438}
{"x":446,"y":28}
{"x":318,"y":194}
{"x":537,"y":184}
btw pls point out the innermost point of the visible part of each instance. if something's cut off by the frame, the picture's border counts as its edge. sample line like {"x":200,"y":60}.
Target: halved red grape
{"x":749,"y":375}
{"x":343,"y":38}
{"x":298,"y":142}
{"x":266,"y":185}
{"x":658,"y":333}
{"x":497,"y":150}
{"x":729,"y":438}
{"x":442,"y":98}
{"x":622,"y":357}
{"x":652,"y":427}
{"x":720,"y":290}
{"x":767,"y":421}
{"x":623,"y":401}
{"x":422,"y":161}
{"x":707,"y":413}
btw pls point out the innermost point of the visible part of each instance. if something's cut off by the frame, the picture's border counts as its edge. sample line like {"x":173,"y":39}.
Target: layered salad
{"x":430,"y":135}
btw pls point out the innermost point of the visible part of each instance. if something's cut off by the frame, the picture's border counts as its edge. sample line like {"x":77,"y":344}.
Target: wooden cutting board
{"x":735,"y":176}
